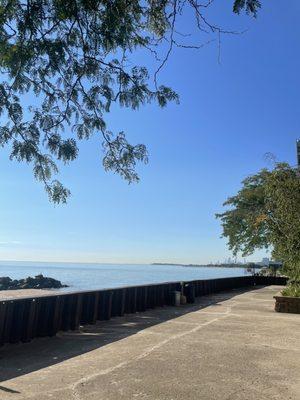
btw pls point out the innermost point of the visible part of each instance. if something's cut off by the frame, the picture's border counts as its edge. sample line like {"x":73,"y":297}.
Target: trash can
{"x":176,"y":298}
{"x":189,"y":292}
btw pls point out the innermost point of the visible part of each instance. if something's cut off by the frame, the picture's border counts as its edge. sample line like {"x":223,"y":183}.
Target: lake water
{"x":99,"y":276}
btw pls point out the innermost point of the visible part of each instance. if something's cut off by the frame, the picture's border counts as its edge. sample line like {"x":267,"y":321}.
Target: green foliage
{"x":250,"y":6}
{"x":244,"y":224}
{"x":265,"y":213}
{"x":291,"y":290}
{"x":73,"y":55}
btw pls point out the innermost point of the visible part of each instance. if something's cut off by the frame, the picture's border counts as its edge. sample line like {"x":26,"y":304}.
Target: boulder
{"x":38,"y":282}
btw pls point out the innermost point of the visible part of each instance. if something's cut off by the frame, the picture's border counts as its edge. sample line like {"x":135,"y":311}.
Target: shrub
{"x":292,"y":290}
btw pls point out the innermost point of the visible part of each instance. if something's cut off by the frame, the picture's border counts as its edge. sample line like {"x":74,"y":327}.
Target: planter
{"x":287,"y":304}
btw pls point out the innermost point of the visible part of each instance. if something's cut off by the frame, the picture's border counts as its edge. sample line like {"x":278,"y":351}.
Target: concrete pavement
{"x":230,"y":346}
{"x":20,"y":293}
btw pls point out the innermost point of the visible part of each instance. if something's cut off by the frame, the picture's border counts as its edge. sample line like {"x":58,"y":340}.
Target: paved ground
{"x":230,"y":346}
{"x":19,"y":293}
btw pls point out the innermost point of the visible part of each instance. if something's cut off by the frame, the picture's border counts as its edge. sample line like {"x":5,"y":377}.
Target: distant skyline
{"x":230,"y":115}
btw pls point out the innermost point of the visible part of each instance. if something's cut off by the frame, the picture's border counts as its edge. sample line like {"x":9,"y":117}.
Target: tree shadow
{"x":23,"y":358}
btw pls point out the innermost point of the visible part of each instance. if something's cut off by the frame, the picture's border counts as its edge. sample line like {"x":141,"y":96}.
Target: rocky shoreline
{"x":37,"y":282}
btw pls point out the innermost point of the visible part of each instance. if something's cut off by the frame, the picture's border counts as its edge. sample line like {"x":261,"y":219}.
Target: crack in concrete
{"x":83,"y":381}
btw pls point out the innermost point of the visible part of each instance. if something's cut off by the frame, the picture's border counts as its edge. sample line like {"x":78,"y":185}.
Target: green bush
{"x":292,"y":290}
{"x":265,"y":213}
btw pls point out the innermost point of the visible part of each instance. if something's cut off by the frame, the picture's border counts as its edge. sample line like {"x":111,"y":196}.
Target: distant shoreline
{"x":250,"y":265}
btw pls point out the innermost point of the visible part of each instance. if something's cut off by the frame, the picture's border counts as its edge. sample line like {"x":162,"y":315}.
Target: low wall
{"x":23,"y":319}
{"x":287,"y":304}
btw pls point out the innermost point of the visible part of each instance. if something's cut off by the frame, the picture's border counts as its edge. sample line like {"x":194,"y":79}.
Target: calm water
{"x":98,"y":276}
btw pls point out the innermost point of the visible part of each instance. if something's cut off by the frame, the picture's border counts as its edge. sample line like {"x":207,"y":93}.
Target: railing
{"x":26,"y":318}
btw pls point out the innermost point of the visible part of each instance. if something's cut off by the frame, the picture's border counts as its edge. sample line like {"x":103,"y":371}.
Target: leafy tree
{"x":265,"y":213}
{"x":73,"y":55}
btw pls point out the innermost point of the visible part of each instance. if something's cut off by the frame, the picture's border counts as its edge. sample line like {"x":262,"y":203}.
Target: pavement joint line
{"x":107,"y":371}
{"x":209,"y":313}
{"x":147,"y":332}
{"x":83,"y":381}
{"x":182,"y":323}
{"x":87,"y":382}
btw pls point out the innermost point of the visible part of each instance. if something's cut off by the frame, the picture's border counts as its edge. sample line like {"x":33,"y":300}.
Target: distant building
{"x":265,"y":261}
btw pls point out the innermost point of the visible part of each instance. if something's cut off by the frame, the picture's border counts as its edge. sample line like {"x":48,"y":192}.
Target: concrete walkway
{"x":20,"y":293}
{"x":230,"y":346}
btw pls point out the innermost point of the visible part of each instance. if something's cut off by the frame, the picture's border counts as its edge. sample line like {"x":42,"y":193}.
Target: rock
{"x":5,"y":282}
{"x":38,"y":282}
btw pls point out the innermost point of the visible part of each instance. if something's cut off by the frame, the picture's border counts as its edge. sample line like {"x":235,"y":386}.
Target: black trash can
{"x":189,"y":292}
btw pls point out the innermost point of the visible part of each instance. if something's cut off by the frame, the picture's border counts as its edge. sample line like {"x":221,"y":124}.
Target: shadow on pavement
{"x":24,"y":358}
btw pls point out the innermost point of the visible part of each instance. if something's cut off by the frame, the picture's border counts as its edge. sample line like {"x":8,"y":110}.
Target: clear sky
{"x":230,"y":115}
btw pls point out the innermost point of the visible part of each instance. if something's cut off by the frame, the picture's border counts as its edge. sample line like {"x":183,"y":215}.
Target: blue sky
{"x":230,"y":115}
